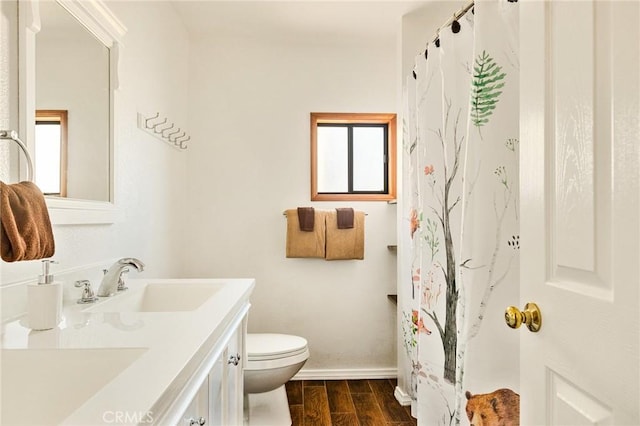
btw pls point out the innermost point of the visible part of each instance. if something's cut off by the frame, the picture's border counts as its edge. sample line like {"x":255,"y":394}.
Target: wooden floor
{"x":346,"y":402}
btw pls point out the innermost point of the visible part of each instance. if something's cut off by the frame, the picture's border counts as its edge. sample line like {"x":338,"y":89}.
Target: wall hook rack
{"x":161,"y":129}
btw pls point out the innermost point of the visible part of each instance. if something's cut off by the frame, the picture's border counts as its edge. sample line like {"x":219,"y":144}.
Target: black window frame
{"x":350,"y":127}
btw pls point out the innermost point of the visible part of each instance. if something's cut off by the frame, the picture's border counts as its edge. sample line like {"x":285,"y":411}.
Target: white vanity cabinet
{"x":233,"y":379}
{"x":217,"y":383}
{"x":225,"y":382}
{"x":216,"y":394}
{"x":165,"y":352}
{"x":198,"y":411}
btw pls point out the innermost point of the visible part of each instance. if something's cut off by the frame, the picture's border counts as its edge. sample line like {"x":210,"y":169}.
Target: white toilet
{"x":272,"y":360}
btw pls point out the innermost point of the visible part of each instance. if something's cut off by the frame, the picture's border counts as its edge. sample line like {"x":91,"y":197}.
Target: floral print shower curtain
{"x":459,"y":258}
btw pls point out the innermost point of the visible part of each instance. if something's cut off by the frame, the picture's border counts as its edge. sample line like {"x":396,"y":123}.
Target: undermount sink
{"x":32,"y":380}
{"x":175,"y":297}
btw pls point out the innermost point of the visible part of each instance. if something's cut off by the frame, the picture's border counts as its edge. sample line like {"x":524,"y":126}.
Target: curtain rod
{"x":459,"y":14}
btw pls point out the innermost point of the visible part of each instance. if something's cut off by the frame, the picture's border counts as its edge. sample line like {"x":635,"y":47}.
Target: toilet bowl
{"x":272,"y":360}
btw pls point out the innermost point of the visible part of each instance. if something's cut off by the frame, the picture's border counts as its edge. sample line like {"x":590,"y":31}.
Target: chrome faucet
{"x":113,"y":275}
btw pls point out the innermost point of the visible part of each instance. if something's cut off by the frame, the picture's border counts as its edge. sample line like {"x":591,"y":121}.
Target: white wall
{"x":150,"y":175}
{"x":250,"y":100}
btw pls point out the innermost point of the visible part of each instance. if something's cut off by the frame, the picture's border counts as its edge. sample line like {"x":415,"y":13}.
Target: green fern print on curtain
{"x":485,"y":86}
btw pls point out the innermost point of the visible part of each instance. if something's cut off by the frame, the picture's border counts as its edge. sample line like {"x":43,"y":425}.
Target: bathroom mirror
{"x":72,"y":135}
{"x":70,"y":74}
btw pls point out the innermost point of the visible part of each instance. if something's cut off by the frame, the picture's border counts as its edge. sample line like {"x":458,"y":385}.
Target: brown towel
{"x":305,"y":244}
{"x":345,"y":217}
{"x":345,"y":243}
{"x":306,"y":216}
{"x":26,"y":232}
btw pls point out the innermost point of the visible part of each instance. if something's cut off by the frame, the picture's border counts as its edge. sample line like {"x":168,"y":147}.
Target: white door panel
{"x":580,"y":155}
{"x":569,"y":405}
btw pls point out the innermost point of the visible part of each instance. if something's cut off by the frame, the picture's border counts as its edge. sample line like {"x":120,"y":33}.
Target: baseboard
{"x":346,"y":374}
{"x":402,"y":397}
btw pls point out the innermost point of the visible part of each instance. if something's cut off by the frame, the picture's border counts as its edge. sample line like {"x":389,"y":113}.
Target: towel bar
{"x":285,"y":213}
{"x":13,"y":135}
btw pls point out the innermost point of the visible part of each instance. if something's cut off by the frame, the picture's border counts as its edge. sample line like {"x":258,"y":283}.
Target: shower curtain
{"x":459,"y":256}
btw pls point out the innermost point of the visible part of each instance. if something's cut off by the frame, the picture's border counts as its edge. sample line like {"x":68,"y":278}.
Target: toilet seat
{"x":270,"y":350}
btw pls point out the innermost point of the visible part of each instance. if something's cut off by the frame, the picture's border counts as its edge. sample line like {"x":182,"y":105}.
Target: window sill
{"x":353,"y":197}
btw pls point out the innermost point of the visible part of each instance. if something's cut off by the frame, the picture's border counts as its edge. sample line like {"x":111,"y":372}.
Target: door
{"x":580,"y":149}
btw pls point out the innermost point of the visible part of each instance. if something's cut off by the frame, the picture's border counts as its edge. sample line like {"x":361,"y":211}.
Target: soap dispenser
{"x":44,"y":300}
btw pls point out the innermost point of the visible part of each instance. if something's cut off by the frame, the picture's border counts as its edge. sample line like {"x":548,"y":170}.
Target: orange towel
{"x":345,"y":243}
{"x":303,"y":243}
{"x":26,"y":232}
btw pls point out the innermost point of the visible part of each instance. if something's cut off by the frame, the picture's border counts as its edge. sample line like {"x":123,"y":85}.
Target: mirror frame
{"x":96,"y":17}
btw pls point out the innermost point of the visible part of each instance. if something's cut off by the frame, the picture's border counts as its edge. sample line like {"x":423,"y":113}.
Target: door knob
{"x":531,"y":316}
{"x":234,"y":359}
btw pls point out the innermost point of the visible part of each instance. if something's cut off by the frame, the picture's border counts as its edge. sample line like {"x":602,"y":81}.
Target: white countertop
{"x":173,"y":345}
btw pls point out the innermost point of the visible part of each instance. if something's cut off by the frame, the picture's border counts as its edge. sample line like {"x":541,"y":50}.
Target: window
{"x":51,"y":152}
{"x":353,"y":156}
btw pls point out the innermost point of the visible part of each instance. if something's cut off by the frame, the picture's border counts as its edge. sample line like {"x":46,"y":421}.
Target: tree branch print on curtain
{"x":487,"y":81}
{"x":500,"y":210}
{"x":485,"y":89}
{"x":449,"y":330}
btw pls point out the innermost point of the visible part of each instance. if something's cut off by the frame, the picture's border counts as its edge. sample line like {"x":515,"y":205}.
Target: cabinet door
{"x":226,"y":381}
{"x":234,"y":380}
{"x":198,"y":411}
{"x":216,"y":398}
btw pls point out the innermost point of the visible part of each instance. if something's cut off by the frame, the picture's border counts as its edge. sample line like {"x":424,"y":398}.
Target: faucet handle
{"x":87,"y":292}
{"x":121,"y":284}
